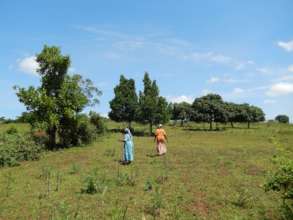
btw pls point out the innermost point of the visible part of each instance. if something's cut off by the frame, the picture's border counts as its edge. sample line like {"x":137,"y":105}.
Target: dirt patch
{"x":254,"y":170}
{"x":199,"y":206}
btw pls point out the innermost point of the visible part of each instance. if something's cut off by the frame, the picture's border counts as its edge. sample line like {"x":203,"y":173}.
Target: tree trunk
{"x":129,"y":125}
{"x":151,"y":128}
{"x":211,"y":125}
{"x":52,"y":137}
{"x":232,"y":125}
{"x":248,"y":124}
{"x":182,"y":122}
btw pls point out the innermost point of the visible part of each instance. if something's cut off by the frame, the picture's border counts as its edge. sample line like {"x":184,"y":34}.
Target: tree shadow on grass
{"x":136,"y":133}
{"x":205,"y":129}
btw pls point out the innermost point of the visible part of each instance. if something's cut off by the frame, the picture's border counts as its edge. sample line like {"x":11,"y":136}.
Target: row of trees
{"x":211,"y":108}
{"x":149,"y":107}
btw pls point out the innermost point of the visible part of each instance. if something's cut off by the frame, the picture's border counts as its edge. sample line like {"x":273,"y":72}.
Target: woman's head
{"x":127,"y":131}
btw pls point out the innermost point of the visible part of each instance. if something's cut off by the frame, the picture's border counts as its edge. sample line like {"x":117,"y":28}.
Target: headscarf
{"x":127,"y":130}
{"x":160,"y":126}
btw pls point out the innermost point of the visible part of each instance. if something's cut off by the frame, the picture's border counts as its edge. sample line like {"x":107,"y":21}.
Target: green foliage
{"x":93,"y":184}
{"x":60,"y":98}
{"x":98,"y":121}
{"x":181,"y":111}
{"x":86,"y":131}
{"x":76,"y":131}
{"x":282,"y":119}
{"x":152,"y":107}
{"x":282,"y":181}
{"x":209,"y":108}
{"x":15,"y":148}
{"x":124,"y":104}
{"x":12,"y":130}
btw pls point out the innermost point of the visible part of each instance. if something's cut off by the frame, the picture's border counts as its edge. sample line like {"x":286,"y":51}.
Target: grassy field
{"x":205,"y":175}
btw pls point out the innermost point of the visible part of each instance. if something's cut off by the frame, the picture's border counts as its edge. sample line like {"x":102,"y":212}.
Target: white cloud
{"x":281,"y":88}
{"x":225,"y":79}
{"x":262,"y":70}
{"x":28,"y":65}
{"x":182,"y":98}
{"x":288,"y":46}
{"x":237,"y":91}
{"x":290,"y":68}
{"x":213,"y":79}
{"x":269,"y":101}
{"x":163,"y":44}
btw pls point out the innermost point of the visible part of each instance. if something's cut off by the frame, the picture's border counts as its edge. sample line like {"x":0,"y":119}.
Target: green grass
{"x":205,"y":175}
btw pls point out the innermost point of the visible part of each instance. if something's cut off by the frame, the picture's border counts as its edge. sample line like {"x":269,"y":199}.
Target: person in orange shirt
{"x":161,"y":139}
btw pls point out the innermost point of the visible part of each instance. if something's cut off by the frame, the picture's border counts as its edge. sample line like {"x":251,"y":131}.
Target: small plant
{"x":148,"y":186}
{"x":156,"y":203}
{"x":9,"y":180}
{"x":123,"y":179}
{"x":110,"y":152}
{"x":242,"y":198}
{"x":74,"y":169}
{"x":12,"y":130}
{"x":92,"y":184}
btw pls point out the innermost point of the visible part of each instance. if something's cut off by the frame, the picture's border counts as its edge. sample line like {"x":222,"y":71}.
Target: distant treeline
{"x":149,"y":107}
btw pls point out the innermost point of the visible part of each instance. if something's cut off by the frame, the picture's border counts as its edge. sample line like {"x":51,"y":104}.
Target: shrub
{"x":92,"y":184}
{"x":282,"y":181}
{"x":282,"y":119}
{"x":98,"y":122}
{"x":12,"y":130}
{"x":77,"y":131}
{"x":15,"y":148}
{"x":86,"y":132}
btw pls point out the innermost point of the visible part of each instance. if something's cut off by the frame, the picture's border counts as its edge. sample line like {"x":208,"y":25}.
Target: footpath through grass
{"x":205,"y":175}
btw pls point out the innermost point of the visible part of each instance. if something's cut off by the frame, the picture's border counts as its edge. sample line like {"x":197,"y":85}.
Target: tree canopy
{"x":282,"y":119}
{"x":60,"y":98}
{"x":125,"y":103}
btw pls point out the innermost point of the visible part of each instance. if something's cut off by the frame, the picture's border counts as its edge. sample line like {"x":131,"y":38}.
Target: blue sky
{"x":242,"y":50}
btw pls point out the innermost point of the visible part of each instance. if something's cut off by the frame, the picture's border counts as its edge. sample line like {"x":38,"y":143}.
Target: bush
{"x":76,"y":131}
{"x":282,"y":181}
{"x":98,"y":122}
{"x":86,"y":132}
{"x":15,"y":148}
{"x":282,"y":119}
{"x":12,"y":130}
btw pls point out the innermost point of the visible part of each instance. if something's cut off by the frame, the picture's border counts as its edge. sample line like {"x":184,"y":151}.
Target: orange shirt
{"x":160,"y":135}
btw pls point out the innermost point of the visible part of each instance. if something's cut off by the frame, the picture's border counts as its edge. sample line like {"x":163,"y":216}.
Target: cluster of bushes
{"x":16,"y":147}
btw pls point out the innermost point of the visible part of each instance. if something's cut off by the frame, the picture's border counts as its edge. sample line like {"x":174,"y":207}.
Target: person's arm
{"x":123,"y":140}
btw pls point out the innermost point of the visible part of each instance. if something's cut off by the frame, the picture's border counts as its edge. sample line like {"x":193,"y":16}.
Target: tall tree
{"x":181,"y":111}
{"x":125,"y":103}
{"x":249,"y":114}
{"x":60,"y":96}
{"x":152,"y":108}
{"x":209,"y":108}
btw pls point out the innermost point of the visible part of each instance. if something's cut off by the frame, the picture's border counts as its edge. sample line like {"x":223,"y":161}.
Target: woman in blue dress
{"x":128,"y":147}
